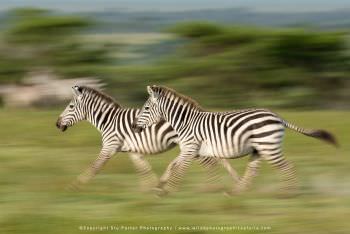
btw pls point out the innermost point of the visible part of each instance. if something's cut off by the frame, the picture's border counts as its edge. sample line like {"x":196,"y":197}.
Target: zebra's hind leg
{"x":250,"y":173}
{"x":148,"y":179}
{"x":285,"y":168}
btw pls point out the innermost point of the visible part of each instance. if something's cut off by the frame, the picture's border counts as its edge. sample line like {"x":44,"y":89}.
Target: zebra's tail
{"x":316,"y":133}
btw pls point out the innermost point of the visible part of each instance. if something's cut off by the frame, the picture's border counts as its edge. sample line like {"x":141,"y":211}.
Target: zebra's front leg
{"x":93,"y":169}
{"x":250,"y":173}
{"x":212,"y":166}
{"x":174,"y":172}
{"x":148,"y":179}
{"x":231,"y":171}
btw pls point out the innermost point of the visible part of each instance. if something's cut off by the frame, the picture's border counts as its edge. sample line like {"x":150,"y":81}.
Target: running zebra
{"x":258,"y":132}
{"x":114,"y":124}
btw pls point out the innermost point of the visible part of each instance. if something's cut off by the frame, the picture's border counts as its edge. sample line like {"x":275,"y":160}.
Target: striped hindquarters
{"x":233,"y":134}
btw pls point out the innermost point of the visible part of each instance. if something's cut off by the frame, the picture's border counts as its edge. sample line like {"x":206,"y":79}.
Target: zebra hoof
{"x":231,"y":193}
{"x":159,"y":192}
{"x":147,"y":186}
{"x":228,"y":193}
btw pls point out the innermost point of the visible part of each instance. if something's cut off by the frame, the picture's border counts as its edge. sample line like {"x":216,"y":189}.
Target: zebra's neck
{"x":178,"y":113}
{"x":99,"y":115}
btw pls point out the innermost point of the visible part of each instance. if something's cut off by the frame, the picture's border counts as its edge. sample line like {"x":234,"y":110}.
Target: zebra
{"x":114,"y":124}
{"x":232,"y":134}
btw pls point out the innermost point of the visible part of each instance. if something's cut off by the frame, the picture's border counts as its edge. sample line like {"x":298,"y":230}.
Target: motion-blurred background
{"x":290,"y":56}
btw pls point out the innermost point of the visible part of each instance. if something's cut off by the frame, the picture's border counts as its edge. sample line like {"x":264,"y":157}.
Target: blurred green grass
{"x":37,"y":162}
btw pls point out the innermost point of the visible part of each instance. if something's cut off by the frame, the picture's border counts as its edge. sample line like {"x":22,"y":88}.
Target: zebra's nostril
{"x":58,"y":123}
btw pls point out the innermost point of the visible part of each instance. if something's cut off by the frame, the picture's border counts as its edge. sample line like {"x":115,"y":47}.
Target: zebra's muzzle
{"x":60,"y":126}
{"x":63,"y":128}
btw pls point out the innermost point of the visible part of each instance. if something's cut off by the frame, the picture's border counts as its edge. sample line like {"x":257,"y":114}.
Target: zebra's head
{"x":74,"y":112}
{"x":150,"y":113}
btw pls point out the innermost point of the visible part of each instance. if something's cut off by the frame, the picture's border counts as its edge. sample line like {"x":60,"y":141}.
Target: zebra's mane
{"x":101,"y":95}
{"x":163,"y":90}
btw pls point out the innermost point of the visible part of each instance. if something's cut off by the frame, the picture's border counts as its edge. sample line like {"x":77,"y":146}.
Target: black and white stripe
{"x":115,"y":126}
{"x":258,"y":132}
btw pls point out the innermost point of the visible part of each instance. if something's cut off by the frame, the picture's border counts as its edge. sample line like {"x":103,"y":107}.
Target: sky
{"x":175,"y":5}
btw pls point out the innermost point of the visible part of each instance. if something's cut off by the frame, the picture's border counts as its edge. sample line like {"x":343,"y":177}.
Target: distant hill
{"x":152,"y":21}
{"x":114,"y":20}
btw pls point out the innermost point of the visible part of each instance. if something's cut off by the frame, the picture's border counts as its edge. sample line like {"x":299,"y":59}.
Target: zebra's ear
{"x":77,"y":90}
{"x":149,"y":90}
{"x":153,"y":94}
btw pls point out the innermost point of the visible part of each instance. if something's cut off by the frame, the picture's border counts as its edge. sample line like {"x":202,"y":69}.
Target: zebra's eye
{"x":71,"y":106}
{"x":146,"y":107}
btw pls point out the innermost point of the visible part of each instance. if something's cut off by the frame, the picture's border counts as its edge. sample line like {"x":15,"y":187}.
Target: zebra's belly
{"x":144,"y":148}
{"x":208,"y":150}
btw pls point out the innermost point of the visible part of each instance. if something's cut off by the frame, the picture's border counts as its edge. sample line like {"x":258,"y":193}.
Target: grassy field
{"x":37,"y":162}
